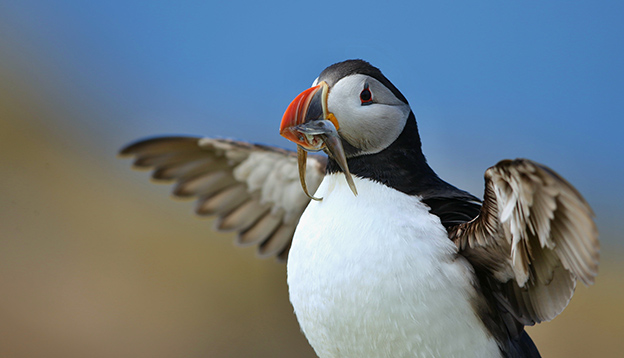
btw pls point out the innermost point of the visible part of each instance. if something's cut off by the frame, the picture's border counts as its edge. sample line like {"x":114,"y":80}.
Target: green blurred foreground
{"x":96,"y":262}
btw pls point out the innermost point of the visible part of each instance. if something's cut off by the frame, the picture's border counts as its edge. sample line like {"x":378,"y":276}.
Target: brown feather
{"x":535,"y":235}
{"x":253,"y":189}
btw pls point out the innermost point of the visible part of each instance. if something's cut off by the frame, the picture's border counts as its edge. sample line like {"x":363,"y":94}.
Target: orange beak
{"x":308,"y":123}
{"x":299,"y":121}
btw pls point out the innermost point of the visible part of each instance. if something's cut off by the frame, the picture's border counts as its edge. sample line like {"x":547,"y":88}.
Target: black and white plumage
{"x":410,"y":266}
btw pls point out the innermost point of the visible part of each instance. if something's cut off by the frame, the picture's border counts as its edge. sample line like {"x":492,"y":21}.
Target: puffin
{"x":384,"y":258}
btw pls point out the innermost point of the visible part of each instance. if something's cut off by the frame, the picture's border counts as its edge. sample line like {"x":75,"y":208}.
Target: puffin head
{"x":351,"y":110}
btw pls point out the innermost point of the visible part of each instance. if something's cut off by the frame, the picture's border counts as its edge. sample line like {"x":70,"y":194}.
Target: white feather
{"x":370,"y":128}
{"x":376,"y":276}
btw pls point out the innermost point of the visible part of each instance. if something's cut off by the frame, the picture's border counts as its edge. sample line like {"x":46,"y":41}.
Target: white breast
{"x":376,"y":276}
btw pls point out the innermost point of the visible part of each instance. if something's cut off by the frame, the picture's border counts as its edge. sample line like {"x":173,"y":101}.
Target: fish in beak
{"x":308,"y":123}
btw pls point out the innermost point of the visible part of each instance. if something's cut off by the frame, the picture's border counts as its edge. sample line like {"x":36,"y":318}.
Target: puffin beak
{"x":306,"y":116}
{"x":308,"y":123}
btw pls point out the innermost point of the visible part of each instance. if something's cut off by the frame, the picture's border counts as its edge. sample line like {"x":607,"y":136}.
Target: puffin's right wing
{"x":534,"y":237}
{"x":252,"y":189}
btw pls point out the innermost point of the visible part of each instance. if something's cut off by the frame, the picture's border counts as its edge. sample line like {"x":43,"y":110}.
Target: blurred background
{"x":97,"y":262}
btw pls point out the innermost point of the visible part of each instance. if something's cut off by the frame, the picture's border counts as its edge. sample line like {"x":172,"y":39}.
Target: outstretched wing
{"x":252,"y":189}
{"x":534,"y":237}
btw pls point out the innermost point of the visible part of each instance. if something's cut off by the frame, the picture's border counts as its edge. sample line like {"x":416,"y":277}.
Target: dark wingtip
{"x":136,"y":146}
{"x":132,"y":147}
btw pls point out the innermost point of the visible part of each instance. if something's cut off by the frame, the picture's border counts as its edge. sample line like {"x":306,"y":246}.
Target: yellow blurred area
{"x":96,"y":262}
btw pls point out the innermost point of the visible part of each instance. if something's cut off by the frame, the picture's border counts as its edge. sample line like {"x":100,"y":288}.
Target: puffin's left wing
{"x":534,"y":237}
{"x":252,"y":189}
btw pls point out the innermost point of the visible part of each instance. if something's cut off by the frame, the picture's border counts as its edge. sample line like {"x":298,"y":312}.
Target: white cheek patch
{"x":372,"y":127}
{"x":380,"y":126}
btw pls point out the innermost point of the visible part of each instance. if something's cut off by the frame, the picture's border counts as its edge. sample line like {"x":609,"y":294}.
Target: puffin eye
{"x":366,"y":96}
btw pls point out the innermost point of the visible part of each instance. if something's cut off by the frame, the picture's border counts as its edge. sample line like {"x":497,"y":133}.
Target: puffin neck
{"x":401,"y":166}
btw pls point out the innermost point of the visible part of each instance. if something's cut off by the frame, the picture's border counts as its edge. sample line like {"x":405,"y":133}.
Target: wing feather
{"x":222,"y":202}
{"x":535,"y":236}
{"x":252,"y":189}
{"x":261,"y":230}
{"x":278,"y":242}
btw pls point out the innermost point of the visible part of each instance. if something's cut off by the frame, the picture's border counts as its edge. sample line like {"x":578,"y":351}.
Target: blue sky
{"x":487,"y":80}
